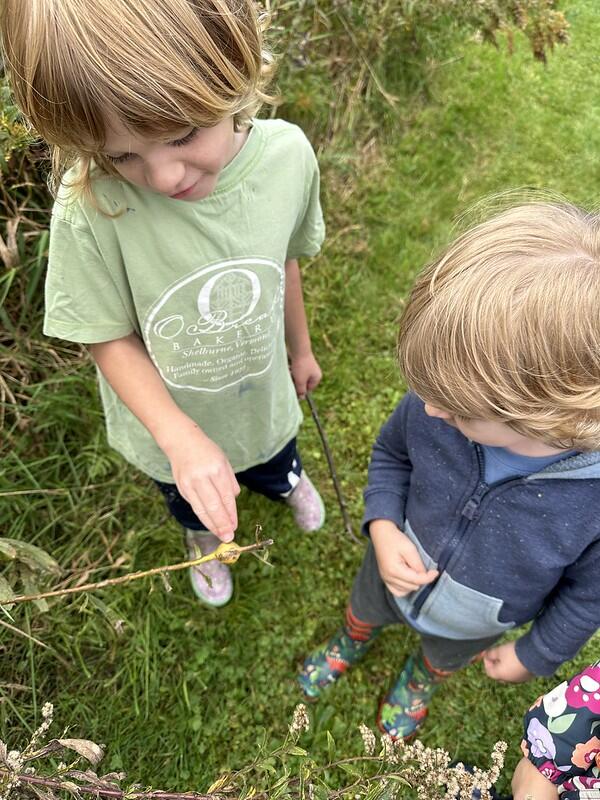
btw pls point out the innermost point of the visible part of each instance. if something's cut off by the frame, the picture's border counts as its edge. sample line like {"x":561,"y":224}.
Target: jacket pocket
{"x":452,"y":610}
{"x":462,"y":612}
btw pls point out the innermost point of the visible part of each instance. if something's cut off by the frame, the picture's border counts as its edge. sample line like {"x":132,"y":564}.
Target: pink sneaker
{"x":306,"y":503}
{"x":217,"y":590}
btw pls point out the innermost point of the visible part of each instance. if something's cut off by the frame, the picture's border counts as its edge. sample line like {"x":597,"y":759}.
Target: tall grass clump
{"x":346,"y":68}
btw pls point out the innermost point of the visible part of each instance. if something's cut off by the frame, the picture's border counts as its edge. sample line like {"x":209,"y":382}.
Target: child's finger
{"x":408,"y":582}
{"x":411,"y":555}
{"x":417,"y":578}
{"x":209,"y":507}
{"x":313,"y":382}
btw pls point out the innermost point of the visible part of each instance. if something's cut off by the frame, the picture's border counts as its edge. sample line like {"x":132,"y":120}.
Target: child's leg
{"x":369,"y":609}
{"x":282,"y":478}
{"x":211,"y":582}
{"x":404,"y":708}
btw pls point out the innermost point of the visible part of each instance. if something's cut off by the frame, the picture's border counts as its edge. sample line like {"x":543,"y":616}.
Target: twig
{"x":19,"y":632}
{"x":133,"y":576}
{"x":334,"y":477}
{"x":120,"y":794}
{"x":22,"y":633}
{"x":62,"y":490}
{"x":98,"y":791}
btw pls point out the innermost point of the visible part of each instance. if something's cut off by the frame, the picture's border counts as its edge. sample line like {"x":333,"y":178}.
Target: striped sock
{"x":357,"y":629}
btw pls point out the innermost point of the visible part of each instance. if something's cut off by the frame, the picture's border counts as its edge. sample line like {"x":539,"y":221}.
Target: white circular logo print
{"x":218,"y":325}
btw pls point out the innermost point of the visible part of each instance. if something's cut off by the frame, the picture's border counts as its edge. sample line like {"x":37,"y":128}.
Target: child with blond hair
{"x":175,"y":240}
{"x":483,"y":499}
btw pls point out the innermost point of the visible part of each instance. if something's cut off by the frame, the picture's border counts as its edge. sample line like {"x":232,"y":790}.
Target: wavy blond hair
{"x":505,"y":325}
{"x":157,"y":65}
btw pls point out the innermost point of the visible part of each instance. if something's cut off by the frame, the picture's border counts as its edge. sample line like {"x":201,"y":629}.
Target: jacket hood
{"x":583,"y":466}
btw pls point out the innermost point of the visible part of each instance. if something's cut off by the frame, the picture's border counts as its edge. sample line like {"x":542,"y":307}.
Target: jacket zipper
{"x":470,"y":512}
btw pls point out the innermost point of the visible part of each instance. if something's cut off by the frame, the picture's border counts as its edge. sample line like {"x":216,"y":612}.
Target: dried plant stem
{"x":22,"y":633}
{"x":97,"y":791}
{"x":132,"y":576}
{"x":332,"y":470}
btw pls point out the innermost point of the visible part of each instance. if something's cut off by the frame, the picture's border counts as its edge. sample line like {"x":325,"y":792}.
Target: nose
{"x":432,"y":411}
{"x":165,"y":175}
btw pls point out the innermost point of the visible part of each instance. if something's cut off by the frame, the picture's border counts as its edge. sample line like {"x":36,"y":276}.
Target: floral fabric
{"x":562,"y":735}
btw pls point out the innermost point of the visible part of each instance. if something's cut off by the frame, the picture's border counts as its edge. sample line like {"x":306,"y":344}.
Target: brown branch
{"x":120,"y":794}
{"x":133,"y":576}
{"x":332,"y":470}
{"x":98,"y":791}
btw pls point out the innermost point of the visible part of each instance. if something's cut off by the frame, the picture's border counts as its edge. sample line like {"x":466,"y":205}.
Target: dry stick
{"x":118,"y":794}
{"x":133,"y":576}
{"x":334,"y":477}
{"x":51,"y":650}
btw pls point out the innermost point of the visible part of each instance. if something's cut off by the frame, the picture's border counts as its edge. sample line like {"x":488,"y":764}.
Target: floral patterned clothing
{"x":562,"y":735}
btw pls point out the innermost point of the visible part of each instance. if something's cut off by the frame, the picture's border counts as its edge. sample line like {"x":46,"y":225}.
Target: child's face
{"x":184,"y":168}
{"x":492,"y":433}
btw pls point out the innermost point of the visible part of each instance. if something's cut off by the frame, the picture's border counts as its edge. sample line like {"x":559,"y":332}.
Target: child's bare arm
{"x":400,"y":564}
{"x":305,"y":370}
{"x":200,"y":468}
{"x":528,"y":782}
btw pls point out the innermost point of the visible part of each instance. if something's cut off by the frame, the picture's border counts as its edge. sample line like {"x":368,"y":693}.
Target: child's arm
{"x":398,"y":559}
{"x":568,"y":619}
{"x":200,"y":468}
{"x":528,"y":782}
{"x":305,"y":370}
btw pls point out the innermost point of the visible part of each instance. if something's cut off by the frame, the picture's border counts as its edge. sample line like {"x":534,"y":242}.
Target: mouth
{"x":184,"y":193}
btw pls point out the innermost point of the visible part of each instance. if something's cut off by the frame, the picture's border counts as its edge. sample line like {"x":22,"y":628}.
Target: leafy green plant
{"x":346,"y":66}
{"x":15,"y":137}
{"x":27,"y":564}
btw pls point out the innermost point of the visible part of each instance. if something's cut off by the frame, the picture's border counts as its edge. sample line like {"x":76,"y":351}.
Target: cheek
{"x":129,"y":172}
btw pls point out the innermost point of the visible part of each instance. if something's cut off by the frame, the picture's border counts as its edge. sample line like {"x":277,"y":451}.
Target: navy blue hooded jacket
{"x":521,"y":549}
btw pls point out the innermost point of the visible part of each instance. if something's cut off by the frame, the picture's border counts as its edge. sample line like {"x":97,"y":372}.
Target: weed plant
{"x":413,"y":122}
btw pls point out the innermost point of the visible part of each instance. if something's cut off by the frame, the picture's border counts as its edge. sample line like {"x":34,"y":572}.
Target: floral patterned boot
{"x":328,"y":662}
{"x":404,"y":708}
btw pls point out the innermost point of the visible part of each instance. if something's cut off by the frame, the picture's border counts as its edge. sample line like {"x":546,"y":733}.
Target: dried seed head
{"x":300,"y":720}
{"x":369,"y":740}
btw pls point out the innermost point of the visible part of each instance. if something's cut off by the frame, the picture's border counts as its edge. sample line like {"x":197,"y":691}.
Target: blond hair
{"x":157,"y":65}
{"x":505,"y":325}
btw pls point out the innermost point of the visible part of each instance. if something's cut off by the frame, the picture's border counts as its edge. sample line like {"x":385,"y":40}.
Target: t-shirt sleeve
{"x":308,"y":235}
{"x":561,"y":733}
{"x":83,"y":301}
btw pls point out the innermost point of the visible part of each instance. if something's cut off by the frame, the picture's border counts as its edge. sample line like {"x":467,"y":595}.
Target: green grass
{"x":183,"y":692}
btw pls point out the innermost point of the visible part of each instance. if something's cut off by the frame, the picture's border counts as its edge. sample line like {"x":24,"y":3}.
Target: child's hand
{"x":399,"y":562}
{"x":306,"y":374}
{"x":529,"y":782}
{"x":206,"y":480}
{"x":502,"y":664}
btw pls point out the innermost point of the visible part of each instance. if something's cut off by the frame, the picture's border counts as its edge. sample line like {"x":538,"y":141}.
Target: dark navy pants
{"x":274,"y":479}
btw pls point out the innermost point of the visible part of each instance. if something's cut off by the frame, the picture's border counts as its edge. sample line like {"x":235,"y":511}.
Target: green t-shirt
{"x":202,"y":283}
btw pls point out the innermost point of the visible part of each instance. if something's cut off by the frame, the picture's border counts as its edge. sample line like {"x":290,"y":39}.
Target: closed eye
{"x":185,"y":139}
{"x":120,"y":159}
